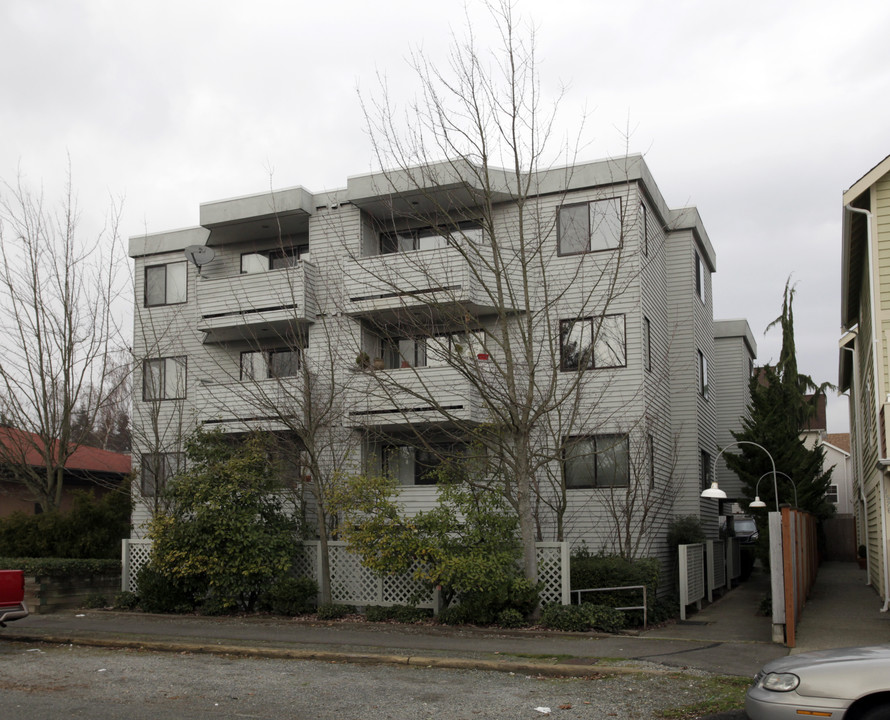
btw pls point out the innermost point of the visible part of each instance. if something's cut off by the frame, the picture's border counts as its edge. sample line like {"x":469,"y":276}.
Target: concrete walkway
{"x":726,"y":637}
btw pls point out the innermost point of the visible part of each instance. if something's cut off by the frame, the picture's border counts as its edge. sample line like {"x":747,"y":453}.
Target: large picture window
{"x":435,"y":351}
{"x":166,"y":284}
{"x":164,"y":378}
{"x":590,"y":227}
{"x":591,"y":343}
{"x":596,"y":461}
{"x":418,"y":466}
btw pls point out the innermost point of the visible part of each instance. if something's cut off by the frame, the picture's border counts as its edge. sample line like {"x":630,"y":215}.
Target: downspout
{"x":883,"y":463}
{"x":863,"y":519}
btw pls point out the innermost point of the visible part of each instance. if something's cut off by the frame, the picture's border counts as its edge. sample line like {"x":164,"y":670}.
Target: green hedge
{"x":92,"y":528}
{"x":602,"y":571}
{"x":62,"y":567}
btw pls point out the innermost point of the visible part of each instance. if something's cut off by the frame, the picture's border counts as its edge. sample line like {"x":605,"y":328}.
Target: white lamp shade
{"x":758,"y":503}
{"x":714,"y":492}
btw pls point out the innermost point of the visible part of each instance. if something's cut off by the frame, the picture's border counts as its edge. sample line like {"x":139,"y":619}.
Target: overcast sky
{"x":761,"y":116}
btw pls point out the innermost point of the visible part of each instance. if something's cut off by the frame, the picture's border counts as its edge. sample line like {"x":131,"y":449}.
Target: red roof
{"x":84,"y":458}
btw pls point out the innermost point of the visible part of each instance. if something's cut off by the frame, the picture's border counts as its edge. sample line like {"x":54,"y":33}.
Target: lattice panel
{"x":306,"y":561}
{"x":138,"y":553}
{"x":550,"y":572}
{"x":350,"y":581}
{"x":405,"y":590}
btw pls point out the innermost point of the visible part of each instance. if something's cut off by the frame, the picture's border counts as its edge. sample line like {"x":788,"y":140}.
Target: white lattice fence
{"x":354,"y":584}
{"x":553,"y":571}
{"x":134,"y":554}
{"x":692,"y":576}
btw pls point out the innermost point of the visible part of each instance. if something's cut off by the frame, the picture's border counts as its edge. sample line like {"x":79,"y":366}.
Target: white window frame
{"x":596,"y":230}
{"x":591,"y":461}
{"x":175,"y":284}
{"x":156,"y":471}
{"x":603,"y":342}
{"x":171,"y":374}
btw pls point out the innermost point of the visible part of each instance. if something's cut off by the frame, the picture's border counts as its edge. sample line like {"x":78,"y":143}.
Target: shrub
{"x":226,"y":531}
{"x":333,"y":611}
{"x":291,"y":595}
{"x":62,"y":567}
{"x":455,"y":615}
{"x":161,"y":594}
{"x":601,"y":571}
{"x":582,"y":618}
{"x":510,"y":618}
{"x":95,"y":601}
{"x":93,"y":528}
{"x":125,"y":600}
{"x":685,"y":530}
{"x":399,"y":613}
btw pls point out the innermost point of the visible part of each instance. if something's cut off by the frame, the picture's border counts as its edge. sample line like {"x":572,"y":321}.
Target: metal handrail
{"x":642,"y":607}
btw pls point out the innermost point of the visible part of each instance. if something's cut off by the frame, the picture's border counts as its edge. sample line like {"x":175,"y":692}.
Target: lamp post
{"x":758,"y":503}
{"x":715,"y":493}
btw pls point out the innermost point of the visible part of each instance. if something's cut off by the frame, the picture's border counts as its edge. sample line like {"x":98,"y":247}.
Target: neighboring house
{"x":864,"y":361}
{"x":735,"y":353}
{"x":87,"y":468}
{"x":837,"y":459}
{"x":391,"y":314}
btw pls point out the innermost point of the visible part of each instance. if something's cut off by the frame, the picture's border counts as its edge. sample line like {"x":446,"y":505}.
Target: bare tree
{"x":57,"y":294}
{"x":520,"y":327}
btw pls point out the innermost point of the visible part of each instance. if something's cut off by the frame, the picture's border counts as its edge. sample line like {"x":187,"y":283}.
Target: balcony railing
{"x":408,"y":396}
{"x":242,"y":406}
{"x":257,"y":305}
{"x":439,"y":278}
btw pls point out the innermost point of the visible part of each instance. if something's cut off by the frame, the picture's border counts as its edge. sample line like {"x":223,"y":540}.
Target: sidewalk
{"x":726,"y":637}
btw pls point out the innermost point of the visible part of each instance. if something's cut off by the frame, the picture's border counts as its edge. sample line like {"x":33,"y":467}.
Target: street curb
{"x":519,"y":668}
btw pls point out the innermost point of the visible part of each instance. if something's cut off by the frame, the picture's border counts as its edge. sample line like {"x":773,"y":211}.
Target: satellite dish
{"x":199,"y":255}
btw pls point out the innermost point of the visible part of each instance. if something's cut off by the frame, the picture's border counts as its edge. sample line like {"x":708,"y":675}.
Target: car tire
{"x":878,"y":712}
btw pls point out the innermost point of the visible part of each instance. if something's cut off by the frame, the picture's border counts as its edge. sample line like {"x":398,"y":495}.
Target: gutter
{"x":883,"y":463}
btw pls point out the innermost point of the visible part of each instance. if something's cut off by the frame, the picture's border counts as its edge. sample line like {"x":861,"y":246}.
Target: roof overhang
{"x":275,"y":214}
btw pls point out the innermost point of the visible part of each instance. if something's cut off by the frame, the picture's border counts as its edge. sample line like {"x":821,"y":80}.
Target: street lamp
{"x":715,"y":493}
{"x":758,"y":503}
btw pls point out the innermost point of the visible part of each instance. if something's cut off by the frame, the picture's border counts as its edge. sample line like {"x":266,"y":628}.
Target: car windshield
{"x":744,"y":525}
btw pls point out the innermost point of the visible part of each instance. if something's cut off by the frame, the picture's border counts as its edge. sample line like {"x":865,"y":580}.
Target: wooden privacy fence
{"x":354,"y":584}
{"x":793,"y":565}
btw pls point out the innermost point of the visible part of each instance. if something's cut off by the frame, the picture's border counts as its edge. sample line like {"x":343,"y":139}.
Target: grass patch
{"x":721,"y":694}
{"x":531,"y":656}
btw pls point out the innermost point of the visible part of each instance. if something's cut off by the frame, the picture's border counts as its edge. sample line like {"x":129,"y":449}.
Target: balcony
{"x":441,"y":280}
{"x":244,"y":406}
{"x":395,"y":399}
{"x":278,"y":303}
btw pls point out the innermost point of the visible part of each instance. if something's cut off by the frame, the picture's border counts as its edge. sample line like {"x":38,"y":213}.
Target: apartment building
{"x":557,"y":327}
{"x":864,"y":362}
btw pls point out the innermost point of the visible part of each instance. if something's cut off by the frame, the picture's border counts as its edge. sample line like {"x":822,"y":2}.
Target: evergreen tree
{"x":782,"y":401}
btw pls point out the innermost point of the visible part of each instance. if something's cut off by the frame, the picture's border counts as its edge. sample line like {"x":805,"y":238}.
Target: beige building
{"x":864,"y":362}
{"x":392,"y":296}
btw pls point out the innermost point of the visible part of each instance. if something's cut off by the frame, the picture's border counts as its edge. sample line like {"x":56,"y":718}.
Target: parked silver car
{"x":844,"y":684}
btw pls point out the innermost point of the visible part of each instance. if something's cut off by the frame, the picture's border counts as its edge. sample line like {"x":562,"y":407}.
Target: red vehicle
{"x":12,"y":596}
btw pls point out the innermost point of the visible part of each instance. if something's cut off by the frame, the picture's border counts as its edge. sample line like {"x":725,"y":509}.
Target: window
{"x":435,"y":351}
{"x":263,"y":364}
{"x":166,"y":284}
{"x":157,"y":469}
{"x":644,"y":229}
{"x":265,"y":260}
{"x":699,"y":277}
{"x":596,"y":461}
{"x":429,"y":238}
{"x":417,"y":466}
{"x":164,"y":378}
{"x":589,"y":227}
{"x":831,"y":494}
{"x":597,"y":342}
{"x":702,"y":374}
{"x":647,"y":344}
{"x":706,"y":470}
